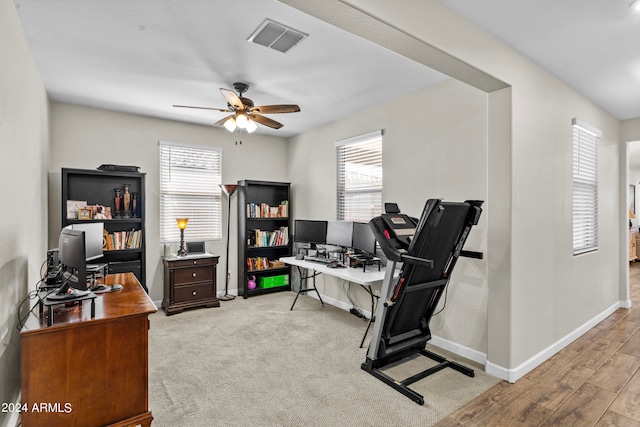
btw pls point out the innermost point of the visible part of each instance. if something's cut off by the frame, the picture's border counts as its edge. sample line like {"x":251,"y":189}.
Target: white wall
{"x":85,"y":138}
{"x":24,"y":151}
{"x":545,"y":297}
{"x":436,"y":150}
{"x":552,"y":293}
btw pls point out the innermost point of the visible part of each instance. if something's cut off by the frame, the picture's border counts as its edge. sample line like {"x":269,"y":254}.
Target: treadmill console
{"x":400,"y":226}
{"x":393,"y":232}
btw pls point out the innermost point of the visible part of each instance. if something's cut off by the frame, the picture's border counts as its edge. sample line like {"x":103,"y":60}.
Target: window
{"x":190,"y":180}
{"x":585,"y":187}
{"x":360,"y":177}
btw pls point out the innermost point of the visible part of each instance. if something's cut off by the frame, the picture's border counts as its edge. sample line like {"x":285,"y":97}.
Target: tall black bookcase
{"x":264,"y":227}
{"x":97,"y":188}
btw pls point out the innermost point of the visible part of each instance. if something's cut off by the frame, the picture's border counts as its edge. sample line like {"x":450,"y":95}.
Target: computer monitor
{"x":310,"y":231}
{"x":93,"y":237}
{"x":340,"y":233}
{"x":363,"y":238}
{"x":73,"y":260}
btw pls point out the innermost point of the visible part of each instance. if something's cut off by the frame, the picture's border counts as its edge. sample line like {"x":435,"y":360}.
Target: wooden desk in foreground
{"x":89,"y":372}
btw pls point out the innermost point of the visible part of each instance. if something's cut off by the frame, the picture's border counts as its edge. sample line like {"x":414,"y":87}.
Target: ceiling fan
{"x":245,"y":114}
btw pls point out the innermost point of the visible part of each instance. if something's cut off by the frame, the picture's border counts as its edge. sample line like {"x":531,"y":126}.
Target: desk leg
{"x":372,"y":318}
{"x":301,"y":290}
{"x":50,"y":315}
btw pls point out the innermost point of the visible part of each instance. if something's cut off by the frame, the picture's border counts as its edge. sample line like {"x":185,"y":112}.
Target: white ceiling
{"x":141,"y":57}
{"x":592,"y":45}
{"x":144,"y":56}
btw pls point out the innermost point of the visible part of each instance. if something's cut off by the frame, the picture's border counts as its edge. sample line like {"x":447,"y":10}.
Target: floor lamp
{"x":229,"y":190}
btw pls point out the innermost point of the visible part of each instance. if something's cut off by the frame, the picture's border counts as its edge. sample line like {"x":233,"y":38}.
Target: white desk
{"x":372,"y":275}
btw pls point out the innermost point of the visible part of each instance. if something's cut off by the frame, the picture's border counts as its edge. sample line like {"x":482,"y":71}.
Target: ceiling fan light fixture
{"x":230,"y":125}
{"x":251,"y":126}
{"x":241,"y":121}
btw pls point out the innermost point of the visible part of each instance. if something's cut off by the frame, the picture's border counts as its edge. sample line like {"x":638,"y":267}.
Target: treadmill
{"x":428,"y":249}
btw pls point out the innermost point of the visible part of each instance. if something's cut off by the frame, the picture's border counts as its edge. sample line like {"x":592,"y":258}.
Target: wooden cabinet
{"x":98,"y":188}
{"x":633,"y":245}
{"x":89,"y":371}
{"x":189,"y":282}
{"x":264,"y":225}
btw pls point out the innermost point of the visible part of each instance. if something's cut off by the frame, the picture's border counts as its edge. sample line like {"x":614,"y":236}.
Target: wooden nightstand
{"x":189,"y":282}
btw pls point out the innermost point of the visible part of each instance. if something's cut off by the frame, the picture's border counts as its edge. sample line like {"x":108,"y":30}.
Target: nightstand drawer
{"x":192,"y":275}
{"x":194,"y":292}
{"x":192,"y":262}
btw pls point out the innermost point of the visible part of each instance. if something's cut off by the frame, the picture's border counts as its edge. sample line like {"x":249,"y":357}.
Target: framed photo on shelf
{"x":73,"y":206}
{"x":100,"y":212}
{"x":84,"y":213}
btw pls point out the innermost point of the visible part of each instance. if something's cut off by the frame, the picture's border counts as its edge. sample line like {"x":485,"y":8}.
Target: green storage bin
{"x":273,"y":281}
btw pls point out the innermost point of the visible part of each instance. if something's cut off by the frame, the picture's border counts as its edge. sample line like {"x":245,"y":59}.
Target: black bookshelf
{"x":260,"y":207}
{"x":97,"y":187}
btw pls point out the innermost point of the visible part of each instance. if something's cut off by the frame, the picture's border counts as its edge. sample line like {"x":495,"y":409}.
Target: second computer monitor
{"x":363,"y":238}
{"x":340,"y":233}
{"x":93,"y":235}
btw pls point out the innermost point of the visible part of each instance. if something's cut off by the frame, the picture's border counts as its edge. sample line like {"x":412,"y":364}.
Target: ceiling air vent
{"x":276,"y":36}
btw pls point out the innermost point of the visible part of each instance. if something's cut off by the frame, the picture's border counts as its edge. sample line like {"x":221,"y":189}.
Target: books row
{"x":262,"y":263}
{"x":257,"y":263}
{"x":264,"y":210}
{"x":261,"y":238}
{"x":118,"y":240}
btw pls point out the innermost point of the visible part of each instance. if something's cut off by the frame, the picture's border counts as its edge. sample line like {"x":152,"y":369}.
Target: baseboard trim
{"x":513,"y":375}
{"x":458,"y":349}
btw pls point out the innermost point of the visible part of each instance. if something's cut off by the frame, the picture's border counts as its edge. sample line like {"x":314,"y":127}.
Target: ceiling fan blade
{"x":222,"y":120}
{"x":266,"y":121}
{"x":204,"y":108}
{"x":274,"y":109}
{"x":232,"y":99}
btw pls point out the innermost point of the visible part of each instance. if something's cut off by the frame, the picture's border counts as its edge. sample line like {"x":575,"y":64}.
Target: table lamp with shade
{"x":182,"y":224}
{"x":229,"y":190}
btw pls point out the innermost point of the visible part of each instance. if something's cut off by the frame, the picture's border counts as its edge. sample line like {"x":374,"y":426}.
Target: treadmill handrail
{"x":410,"y":259}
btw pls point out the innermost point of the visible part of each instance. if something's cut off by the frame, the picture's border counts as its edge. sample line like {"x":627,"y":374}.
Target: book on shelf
{"x":257,"y":263}
{"x":261,"y":238}
{"x":264,"y":210}
{"x":262,"y":263}
{"x":119,"y":240}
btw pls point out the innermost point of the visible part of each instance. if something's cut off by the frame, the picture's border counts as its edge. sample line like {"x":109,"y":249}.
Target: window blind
{"x":585,"y":187}
{"x":359,"y":177}
{"x":190,"y":180}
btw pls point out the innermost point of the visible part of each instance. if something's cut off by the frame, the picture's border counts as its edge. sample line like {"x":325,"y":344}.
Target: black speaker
{"x":53,"y":277}
{"x":195,"y":247}
{"x":53,"y":260}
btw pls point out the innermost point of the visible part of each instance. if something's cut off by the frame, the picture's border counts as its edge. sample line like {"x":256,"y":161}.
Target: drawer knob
{"x":194,"y":274}
{"x":194,"y":293}
{"x":195,"y":262}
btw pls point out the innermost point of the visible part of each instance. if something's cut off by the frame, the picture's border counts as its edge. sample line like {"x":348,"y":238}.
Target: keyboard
{"x":321,"y":260}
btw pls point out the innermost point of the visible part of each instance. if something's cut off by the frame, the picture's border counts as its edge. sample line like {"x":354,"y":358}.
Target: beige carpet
{"x":255,"y":363}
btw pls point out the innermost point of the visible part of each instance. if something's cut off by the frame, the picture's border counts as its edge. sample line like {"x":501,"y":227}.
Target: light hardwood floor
{"x":595,"y":381}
